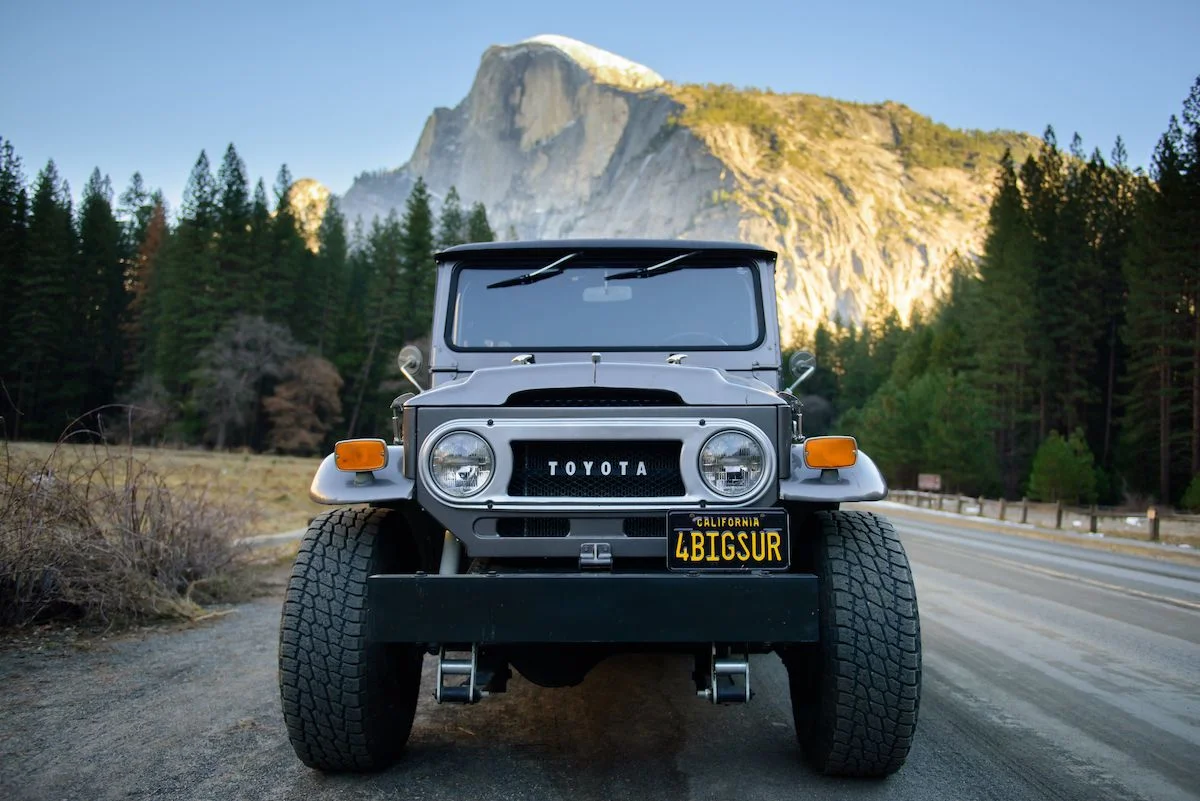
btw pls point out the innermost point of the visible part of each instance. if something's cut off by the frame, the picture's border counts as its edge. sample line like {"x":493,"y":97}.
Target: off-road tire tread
{"x":870,"y":659}
{"x":348,"y":703}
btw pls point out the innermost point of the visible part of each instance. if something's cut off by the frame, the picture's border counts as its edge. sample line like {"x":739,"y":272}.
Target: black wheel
{"x":348,"y":702}
{"x":855,"y":695}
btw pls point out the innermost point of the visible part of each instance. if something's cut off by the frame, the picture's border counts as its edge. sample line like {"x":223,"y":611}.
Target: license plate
{"x":755,"y":539}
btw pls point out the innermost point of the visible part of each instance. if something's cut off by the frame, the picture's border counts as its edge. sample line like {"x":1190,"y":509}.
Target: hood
{"x":696,"y":386}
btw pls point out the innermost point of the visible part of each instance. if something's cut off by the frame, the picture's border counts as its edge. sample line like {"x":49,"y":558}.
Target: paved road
{"x":1051,"y":672}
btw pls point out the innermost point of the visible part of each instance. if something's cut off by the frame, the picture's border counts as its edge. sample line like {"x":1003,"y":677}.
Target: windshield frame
{"x":702,"y":261}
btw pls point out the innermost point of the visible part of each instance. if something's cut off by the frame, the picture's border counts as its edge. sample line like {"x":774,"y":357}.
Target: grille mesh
{"x":532,"y":469}
{"x":594,"y":396}
{"x":644,"y":527}
{"x":533,"y":526}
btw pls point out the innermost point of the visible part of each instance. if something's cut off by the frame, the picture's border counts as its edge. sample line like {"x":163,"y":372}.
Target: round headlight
{"x":731,"y":463}
{"x":461,"y":464}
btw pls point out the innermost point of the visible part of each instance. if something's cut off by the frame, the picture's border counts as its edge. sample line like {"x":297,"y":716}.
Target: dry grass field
{"x":273,"y":489}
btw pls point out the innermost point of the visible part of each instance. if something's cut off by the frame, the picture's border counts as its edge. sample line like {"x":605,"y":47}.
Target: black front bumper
{"x":593,"y":608}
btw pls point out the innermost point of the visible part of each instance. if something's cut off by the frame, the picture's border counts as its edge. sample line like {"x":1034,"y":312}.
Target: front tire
{"x":855,"y":695}
{"x":348,"y":702}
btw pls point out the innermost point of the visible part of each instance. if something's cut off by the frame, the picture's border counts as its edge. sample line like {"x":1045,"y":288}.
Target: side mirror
{"x":410,"y":358}
{"x":409,"y":361}
{"x":802,"y":365}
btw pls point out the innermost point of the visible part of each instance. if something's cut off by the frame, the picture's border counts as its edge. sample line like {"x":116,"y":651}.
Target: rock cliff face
{"x":308,"y":199}
{"x":562,"y":140}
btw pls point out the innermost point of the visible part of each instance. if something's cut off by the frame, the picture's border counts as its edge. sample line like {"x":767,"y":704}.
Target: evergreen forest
{"x":221,"y":325}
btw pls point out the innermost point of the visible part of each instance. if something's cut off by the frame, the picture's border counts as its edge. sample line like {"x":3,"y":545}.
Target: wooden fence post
{"x":1025,"y":510}
{"x":958,"y":505}
{"x":1092,"y":512}
{"x":979,"y":503}
{"x":1003,"y":505}
{"x":1058,"y":512}
{"x":941,"y":501}
{"x":1152,"y":516}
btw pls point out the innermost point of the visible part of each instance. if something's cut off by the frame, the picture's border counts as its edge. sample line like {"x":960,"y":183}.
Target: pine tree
{"x":388,"y":308}
{"x":261,"y":249}
{"x":14,"y":228}
{"x":1078,"y":318}
{"x":1190,"y":264}
{"x":331,"y":268}
{"x":478,"y":228}
{"x":855,"y":368}
{"x":1003,"y":310}
{"x":235,"y":294}
{"x":284,"y":301}
{"x":824,"y":380}
{"x":188,"y":279}
{"x":417,"y":261}
{"x":135,"y":214}
{"x":135,"y":210}
{"x":950,"y":345}
{"x":100,"y":283}
{"x":1158,"y":332}
{"x":1042,"y":184}
{"x":452,"y":225}
{"x":140,"y":325}
{"x":1113,"y":218}
{"x":349,"y":350}
{"x":41,"y":333}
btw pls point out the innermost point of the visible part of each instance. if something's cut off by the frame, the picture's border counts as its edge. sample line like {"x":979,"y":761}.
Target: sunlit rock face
{"x":563,"y":140}
{"x":308,"y":200}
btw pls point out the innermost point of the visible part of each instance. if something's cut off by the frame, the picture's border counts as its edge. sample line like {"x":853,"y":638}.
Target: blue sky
{"x":335,"y":89}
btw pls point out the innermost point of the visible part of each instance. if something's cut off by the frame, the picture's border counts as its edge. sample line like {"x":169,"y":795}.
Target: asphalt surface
{"x":1051,"y":672}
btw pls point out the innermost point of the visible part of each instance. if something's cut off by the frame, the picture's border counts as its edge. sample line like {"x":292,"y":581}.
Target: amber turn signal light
{"x":827,"y":453}
{"x":359,"y":455}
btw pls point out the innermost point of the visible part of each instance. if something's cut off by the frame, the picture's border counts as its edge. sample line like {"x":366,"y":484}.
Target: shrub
{"x":1063,"y":470}
{"x":305,"y":406}
{"x":106,"y":539}
{"x":1191,"y":496}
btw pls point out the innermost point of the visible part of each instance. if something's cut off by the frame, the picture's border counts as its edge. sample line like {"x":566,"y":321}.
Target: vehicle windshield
{"x":713,"y":307}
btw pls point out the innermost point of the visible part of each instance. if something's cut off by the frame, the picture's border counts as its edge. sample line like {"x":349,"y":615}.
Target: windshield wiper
{"x":540,"y":274}
{"x":654,"y":269}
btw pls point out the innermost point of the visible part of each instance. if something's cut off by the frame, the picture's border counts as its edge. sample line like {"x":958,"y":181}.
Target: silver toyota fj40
{"x":605,"y":462}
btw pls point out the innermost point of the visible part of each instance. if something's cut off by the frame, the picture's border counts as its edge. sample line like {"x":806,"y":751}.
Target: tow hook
{"x":457,"y":676}
{"x":722,"y":687}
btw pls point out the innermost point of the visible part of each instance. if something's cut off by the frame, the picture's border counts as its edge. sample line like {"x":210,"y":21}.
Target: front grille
{"x":533,"y":526}
{"x":596,"y":469}
{"x":644,"y":527}
{"x":576,"y":397}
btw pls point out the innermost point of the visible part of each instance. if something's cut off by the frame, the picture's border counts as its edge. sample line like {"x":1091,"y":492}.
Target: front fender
{"x":861,"y":482}
{"x":337,"y":487}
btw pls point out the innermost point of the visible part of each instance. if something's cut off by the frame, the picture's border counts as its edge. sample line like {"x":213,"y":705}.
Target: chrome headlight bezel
{"x":758,"y":471}
{"x":438,"y":451}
